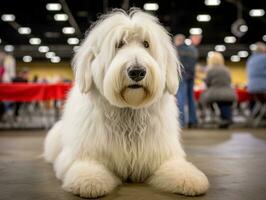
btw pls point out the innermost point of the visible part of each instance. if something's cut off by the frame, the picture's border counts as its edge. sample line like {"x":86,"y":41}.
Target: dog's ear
{"x":173,"y":69}
{"x":82,"y":67}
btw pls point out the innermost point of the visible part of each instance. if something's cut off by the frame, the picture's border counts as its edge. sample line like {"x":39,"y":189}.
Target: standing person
{"x":22,"y":77}
{"x":256,"y":69}
{"x":2,"y":71}
{"x":188,"y":56}
{"x":219,"y":90}
{"x":2,"y":67}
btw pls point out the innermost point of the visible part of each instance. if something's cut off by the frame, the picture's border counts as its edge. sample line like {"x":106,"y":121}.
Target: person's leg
{"x":192,"y":117}
{"x":181,"y":102}
{"x":226,"y":113}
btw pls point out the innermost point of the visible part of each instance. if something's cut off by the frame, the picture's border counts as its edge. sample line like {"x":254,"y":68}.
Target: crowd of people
{"x":218,"y":91}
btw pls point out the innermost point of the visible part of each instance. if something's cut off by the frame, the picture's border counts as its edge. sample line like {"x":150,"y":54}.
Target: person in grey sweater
{"x":219,"y":90}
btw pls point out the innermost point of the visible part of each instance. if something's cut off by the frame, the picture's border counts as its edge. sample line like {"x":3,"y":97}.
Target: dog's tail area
{"x":52,"y":143}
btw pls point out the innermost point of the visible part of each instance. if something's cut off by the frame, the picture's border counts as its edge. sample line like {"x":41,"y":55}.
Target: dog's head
{"x":129,"y":58}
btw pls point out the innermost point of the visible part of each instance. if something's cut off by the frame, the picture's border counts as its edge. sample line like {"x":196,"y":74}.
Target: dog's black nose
{"x":136,"y":73}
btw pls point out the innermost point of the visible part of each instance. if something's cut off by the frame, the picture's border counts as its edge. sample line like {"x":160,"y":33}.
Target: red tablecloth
{"x":242,"y":95}
{"x":27,"y":92}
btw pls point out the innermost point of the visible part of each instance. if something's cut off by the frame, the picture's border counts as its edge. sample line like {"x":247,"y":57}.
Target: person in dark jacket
{"x":188,"y":56}
{"x":219,"y":90}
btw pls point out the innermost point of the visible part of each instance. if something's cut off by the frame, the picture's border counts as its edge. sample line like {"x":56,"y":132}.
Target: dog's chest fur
{"x":127,"y":129}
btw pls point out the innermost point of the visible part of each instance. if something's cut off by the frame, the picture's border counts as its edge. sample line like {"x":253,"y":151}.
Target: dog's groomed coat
{"x":120,"y":119}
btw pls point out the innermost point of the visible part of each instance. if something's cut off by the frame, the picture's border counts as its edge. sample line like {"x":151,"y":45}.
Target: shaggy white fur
{"x":114,"y":128}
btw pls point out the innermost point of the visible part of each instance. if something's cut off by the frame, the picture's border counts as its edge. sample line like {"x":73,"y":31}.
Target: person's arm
{"x":208,"y":79}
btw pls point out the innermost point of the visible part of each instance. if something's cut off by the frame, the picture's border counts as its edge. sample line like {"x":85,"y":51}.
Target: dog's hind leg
{"x":52,"y":143}
{"x":89,"y":179}
{"x":179,"y":176}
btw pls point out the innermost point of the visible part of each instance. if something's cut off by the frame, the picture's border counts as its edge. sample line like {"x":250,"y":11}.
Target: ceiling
{"x":178,"y":16}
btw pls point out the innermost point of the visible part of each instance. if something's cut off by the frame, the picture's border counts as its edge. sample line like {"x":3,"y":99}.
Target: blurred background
{"x":38,"y":40}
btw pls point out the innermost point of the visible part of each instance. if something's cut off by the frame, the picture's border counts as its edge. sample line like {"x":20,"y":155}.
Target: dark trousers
{"x":226,"y":110}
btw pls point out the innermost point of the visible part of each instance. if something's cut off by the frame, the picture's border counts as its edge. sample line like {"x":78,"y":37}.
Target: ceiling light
{"x":230,"y":39}
{"x":252,"y":47}
{"x":212,"y":2}
{"x":195,"y":31}
{"x":235,"y":58}
{"x":35,"y":41}
{"x":8,"y":17}
{"x":0,"y":41}
{"x":151,"y":6}
{"x":256,"y":12}
{"x":264,"y":38}
{"x":188,"y":42}
{"x":243,"y":54}
{"x":50,"y":54}
{"x":27,"y":59}
{"x":53,"y":6}
{"x":204,"y":18}
{"x":243,"y":28}
{"x":9,"y":48}
{"x":43,"y":49}
{"x":24,"y":30}
{"x":75,"y":48}
{"x":55,"y":59}
{"x":220,"y":48}
{"x":72,"y":41}
{"x":60,"y":17}
{"x":68,"y":30}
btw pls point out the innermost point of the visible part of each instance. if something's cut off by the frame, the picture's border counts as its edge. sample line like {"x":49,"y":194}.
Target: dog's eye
{"x":120,"y":44}
{"x":146,"y":44}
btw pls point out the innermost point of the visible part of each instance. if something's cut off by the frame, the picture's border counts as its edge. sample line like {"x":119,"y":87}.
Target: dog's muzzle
{"x":136,"y":73}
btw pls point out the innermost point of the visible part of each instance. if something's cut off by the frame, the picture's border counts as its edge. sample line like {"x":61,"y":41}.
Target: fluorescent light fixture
{"x":220,"y":48}
{"x":43,"y":49}
{"x":243,"y":54}
{"x":24,"y":30}
{"x":151,"y":6}
{"x":68,"y":30}
{"x":72,"y":41}
{"x":50,"y":54}
{"x":55,"y":59}
{"x":212,"y":2}
{"x":8,"y":17}
{"x":35,"y":41}
{"x":60,"y":17}
{"x":27,"y":59}
{"x":53,"y":6}
{"x":230,"y":39}
{"x":9,"y":48}
{"x":243,"y":28}
{"x":264,"y":38}
{"x":252,"y":47}
{"x":195,"y":31}
{"x":75,"y":48}
{"x":256,"y":12}
{"x":235,"y":58}
{"x":203,"y":18}
{"x":188,"y":41}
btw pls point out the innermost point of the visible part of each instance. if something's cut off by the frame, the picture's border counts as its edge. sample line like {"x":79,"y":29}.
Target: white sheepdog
{"x":120,"y":119}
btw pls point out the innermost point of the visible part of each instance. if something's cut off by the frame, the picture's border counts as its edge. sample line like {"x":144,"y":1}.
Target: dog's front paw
{"x":89,"y":180}
{"x":180,"y":177}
